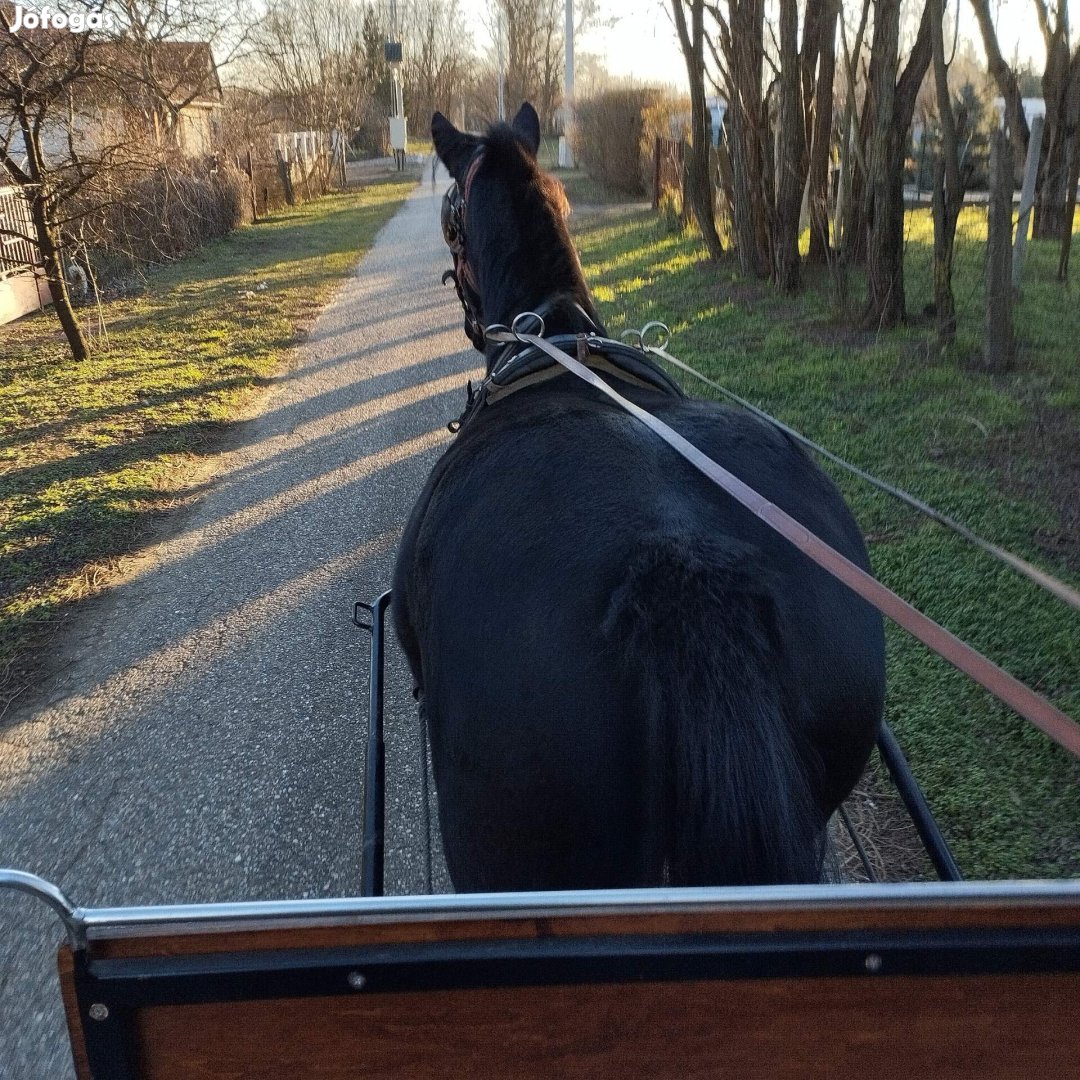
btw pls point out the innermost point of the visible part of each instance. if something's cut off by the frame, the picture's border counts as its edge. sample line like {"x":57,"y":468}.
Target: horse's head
{"x":504,"y":220}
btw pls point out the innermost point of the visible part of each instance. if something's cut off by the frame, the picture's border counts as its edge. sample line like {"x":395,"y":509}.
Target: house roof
{"x":187,"y":70}
{"x":182,"y":71}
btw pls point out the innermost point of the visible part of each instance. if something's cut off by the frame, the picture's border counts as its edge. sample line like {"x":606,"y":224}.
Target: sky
{"x":642,"y":42}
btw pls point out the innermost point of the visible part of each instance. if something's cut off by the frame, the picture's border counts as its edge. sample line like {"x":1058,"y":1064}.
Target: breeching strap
{"x":1030,"y":705}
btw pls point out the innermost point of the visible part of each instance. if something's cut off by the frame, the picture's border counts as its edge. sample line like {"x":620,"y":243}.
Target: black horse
{"x":629,"y":679}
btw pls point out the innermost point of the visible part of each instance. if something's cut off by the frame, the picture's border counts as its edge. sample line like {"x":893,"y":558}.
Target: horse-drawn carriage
{"x":726,"y":957}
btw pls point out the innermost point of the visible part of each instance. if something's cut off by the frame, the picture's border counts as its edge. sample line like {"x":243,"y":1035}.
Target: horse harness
{"x":466,"y":286}
{"x":517,"y":368}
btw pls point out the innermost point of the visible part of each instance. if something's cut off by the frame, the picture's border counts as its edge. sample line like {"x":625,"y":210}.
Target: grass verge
{"x":92,"y":453}
{"x":976,"y":446}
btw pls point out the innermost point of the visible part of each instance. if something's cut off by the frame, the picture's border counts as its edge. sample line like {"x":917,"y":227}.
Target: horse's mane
{"x":505,"y":149}
{"x":552,"y":260}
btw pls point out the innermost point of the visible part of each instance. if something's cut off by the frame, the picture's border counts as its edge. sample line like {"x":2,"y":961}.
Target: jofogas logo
{"x":47,"y":19}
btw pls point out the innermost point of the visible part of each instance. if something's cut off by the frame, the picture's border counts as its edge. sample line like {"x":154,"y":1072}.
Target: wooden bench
{"x":955,"y":981}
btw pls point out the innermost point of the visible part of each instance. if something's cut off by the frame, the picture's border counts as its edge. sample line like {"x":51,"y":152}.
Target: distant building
{"x":181,"y":77}
{"x":1033,"y":106}
{"x":717,"y":107}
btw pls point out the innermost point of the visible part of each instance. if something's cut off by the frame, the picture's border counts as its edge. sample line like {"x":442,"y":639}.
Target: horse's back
{"x":561,"y":569}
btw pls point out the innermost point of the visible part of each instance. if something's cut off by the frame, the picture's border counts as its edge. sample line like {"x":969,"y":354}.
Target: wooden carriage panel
{"x":770,"y":991}
{"x":751,"y":918}
{"x":970,"y":1029}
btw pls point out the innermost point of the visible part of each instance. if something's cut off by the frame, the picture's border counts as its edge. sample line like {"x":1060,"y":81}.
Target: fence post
{"x":1027,"y":200}
{"x":998,"y":342}
{"x":656,"y":175}
{"x":286,"y":179}
{"x":251,"y":187}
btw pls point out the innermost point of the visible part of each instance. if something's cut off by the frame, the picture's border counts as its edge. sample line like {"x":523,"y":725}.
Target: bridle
{"x":455,"y":203}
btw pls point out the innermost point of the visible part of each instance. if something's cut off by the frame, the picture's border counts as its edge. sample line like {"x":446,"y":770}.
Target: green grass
{"x":90,"y":453}
{"x":1007,"y":798}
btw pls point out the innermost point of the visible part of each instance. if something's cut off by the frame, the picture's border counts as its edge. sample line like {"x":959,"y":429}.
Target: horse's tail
{"x":729,"y":798}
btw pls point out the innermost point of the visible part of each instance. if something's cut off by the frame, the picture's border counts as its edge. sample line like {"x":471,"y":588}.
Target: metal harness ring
{"x":639,"y":338}
{"x":518,"y":331}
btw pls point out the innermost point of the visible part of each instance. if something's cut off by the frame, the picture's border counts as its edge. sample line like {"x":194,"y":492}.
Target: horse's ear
{"x":453,"y":147}
{"x":526,"y":127}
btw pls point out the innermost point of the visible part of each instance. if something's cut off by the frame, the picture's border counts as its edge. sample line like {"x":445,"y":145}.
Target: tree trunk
{"x":998,"y":337}
{"x":1074,"y":181}
{"x":49,"y":245}
{"x":1061,"y":92}
{"x":893,"y":105}
{"x":47,"y":234}
{"x":850,"y":203}
{"x":699,"y":179}
{"x":948,"y":193}
{"x":1016,"y":124}
{"x":821,"y":137}
{"x":884,"y":218}
{"x":791,"y":149}
{"x":744,"y":50}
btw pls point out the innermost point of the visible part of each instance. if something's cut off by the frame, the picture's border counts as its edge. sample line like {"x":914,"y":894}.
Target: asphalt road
{"x":204,"y":738}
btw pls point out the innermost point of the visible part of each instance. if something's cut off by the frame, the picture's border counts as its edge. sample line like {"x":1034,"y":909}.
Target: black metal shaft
{"x":917,"y":807}
{"x":371,"y":870}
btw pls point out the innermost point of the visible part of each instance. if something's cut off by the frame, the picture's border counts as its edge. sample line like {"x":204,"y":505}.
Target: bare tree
{"x":90,"y":109}
{"x":818,"y":102}
{"x":163,"y":59}
{"x":742,"y":50}
{"x":535,"y":42}
{"x":892,"y":103}
{"x":439,"y":63}
{"x":948,"y":190}
{"x":44,"y":74}
{"x":1054,"y":200}
{"x":849,"y":202}
{"x":790,"y":154}
{"x":699,"y":182}
{"x":313,"y":56}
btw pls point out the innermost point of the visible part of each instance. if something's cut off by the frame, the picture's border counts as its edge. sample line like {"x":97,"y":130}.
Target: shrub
{"x":608,"y":137}
{"x":616,"y":134}
{"x":166,"y":214}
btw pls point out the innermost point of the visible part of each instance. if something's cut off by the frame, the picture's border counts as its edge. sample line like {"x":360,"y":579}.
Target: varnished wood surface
{"x":756,"y":918}
{"x":999,"y":1027}
{"x":986,"y":1028}
{"x":65,"y":964}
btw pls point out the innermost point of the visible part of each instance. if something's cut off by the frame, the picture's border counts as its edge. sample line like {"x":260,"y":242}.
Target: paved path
{"x":204,"y":741}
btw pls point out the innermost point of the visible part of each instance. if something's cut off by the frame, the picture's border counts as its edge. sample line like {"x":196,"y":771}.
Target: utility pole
{"x":566,"y":154}
{"x":398,"y":134}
